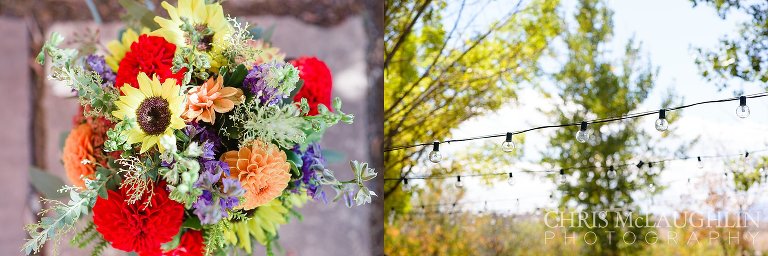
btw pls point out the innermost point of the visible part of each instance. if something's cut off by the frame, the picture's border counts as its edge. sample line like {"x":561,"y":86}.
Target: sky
{"x":668,"y":30}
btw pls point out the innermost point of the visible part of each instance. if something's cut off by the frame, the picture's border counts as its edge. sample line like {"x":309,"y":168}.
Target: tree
{"x":590,"y":86}
{"x":743,"y":56}
{"x":435,"y":79}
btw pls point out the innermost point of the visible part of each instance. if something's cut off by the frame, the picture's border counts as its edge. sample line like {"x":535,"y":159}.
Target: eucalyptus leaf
{"x":45,"y":183}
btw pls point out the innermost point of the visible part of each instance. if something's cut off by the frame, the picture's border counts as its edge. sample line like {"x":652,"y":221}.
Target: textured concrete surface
{"x":329,"y":229}
{"x":15,"y":115}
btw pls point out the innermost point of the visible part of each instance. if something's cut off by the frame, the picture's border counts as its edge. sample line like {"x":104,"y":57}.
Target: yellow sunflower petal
{"x":145,"y":85}
{"x":177,"y":123}
{"x":135,"y":135}
{"x":148,"y":142}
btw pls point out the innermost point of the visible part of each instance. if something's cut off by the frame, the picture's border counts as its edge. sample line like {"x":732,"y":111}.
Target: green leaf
{"x":45,"y":183}
{"x":136,"y":11}
{"x":236,"y":78}
{"x":193,"y":223}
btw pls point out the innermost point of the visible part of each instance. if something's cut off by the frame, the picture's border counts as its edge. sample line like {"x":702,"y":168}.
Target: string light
{"x":511,"y":180}
{"x":586,"y":167}
{"x":435,"y":155}
{"x":563,"y":179}
{"x":661,"y":123}
{"x":406,"y":187}
{"x":611,"y":172}
{"x":508,"y":145}
{"x":700,"y":164}
{"x":582,"y":135}
{"x":459,"y":184}
{"x":743,"y":110}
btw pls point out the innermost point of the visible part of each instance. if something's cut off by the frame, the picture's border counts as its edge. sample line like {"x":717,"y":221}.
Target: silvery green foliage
{"x":182,"y":175}
{"x":60,"y":218}
{"x":88,"y":84}
{"x":346,"y":189}
{"x":281,"y":125}
{"x":117,"y":138}
{"x":283,"y":77}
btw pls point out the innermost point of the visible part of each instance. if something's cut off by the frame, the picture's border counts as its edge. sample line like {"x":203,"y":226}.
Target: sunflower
{"x":118,"y":48}
{"x":206,"y":19}
{"x":154,"y":108}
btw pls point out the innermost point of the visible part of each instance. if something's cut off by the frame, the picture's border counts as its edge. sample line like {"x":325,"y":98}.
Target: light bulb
{"x":435,"y":155}
{"x":510,"y":180}
{"x":661,"y":123}
{"x":582,"y":135}
{"x":700,"y":164}
{"x":391,"y":216}
{"x":582,"y":195}
{"x":508,"y":145}
{"x":458,"y":182}
{"x":406,"y":187}
{"x":743,"y":110}
{"x":611,"y":173}
{"x":563,"y":179}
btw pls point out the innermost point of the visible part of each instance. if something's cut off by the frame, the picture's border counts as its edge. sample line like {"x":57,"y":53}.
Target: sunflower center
{"x":153,"y":115}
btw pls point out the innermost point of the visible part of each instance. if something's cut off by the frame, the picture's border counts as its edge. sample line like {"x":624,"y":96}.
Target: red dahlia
{"x":191,"y":245}
{"x":131,"y":227}
{"x":318,"y":83}
{"x":152,"y":55}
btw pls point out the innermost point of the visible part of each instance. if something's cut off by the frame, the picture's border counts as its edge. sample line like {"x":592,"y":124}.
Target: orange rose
{"x":263,"y":171}
{"x":78,"y":155}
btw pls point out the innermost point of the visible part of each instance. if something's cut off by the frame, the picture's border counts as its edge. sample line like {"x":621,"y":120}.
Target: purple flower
{"x":204,"y":134}
{"x":216,"y":199}
{"x":97,"y":64}
{"x":312,"y":159}
{"x":214,"y":166}
{"x":256,"y":83}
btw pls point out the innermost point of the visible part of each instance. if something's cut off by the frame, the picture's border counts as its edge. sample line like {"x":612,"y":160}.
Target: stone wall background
{"x":36,"y":114}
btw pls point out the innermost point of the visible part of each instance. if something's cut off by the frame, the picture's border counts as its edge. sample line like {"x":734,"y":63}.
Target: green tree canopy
{"x":437,"y":76}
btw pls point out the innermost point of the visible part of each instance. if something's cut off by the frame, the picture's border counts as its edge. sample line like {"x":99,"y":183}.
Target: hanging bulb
{"x":510,"y":180}
{"x":640,"y":165}
{"x":459,"y":184}
{"x":563,"y":179}
{"x":435,"y":155}
{"x":611,"y":173}
{"x":743,"y":110}
{"x":582,"y":135}
{"x":391,"y":216}
{"x":661,"y":123}
{"x":508,"y":145}
{"x":406,"y":187}
{"x":700,"y":164}
{"x":582,"y":195}
{"x":517,"y":202}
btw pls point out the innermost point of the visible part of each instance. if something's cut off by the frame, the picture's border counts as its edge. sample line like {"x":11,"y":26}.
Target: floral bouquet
{"x":195,"y":137}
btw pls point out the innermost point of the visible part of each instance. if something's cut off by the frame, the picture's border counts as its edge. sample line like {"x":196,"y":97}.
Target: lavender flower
{"x":312,"y":160}
{"x":213,"y":204}
{"x":256,"y":83}
{"x":97,"y":64}
{"x":204,"y":134}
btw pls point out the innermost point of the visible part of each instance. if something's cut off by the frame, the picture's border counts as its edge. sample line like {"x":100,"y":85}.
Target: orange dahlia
{"x":263,"y":171}
{"x":78,"y":154}
{"x":203,"y":101}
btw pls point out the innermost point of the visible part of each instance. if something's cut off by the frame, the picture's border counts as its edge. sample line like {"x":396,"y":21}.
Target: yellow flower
{"x":203,"y":17}
{"x":154,"y":108}
{"x":117,"y":49}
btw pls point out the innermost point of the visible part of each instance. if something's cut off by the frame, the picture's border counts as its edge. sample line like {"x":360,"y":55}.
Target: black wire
{"x":604,"y":120}
{"x":556,"y":170}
